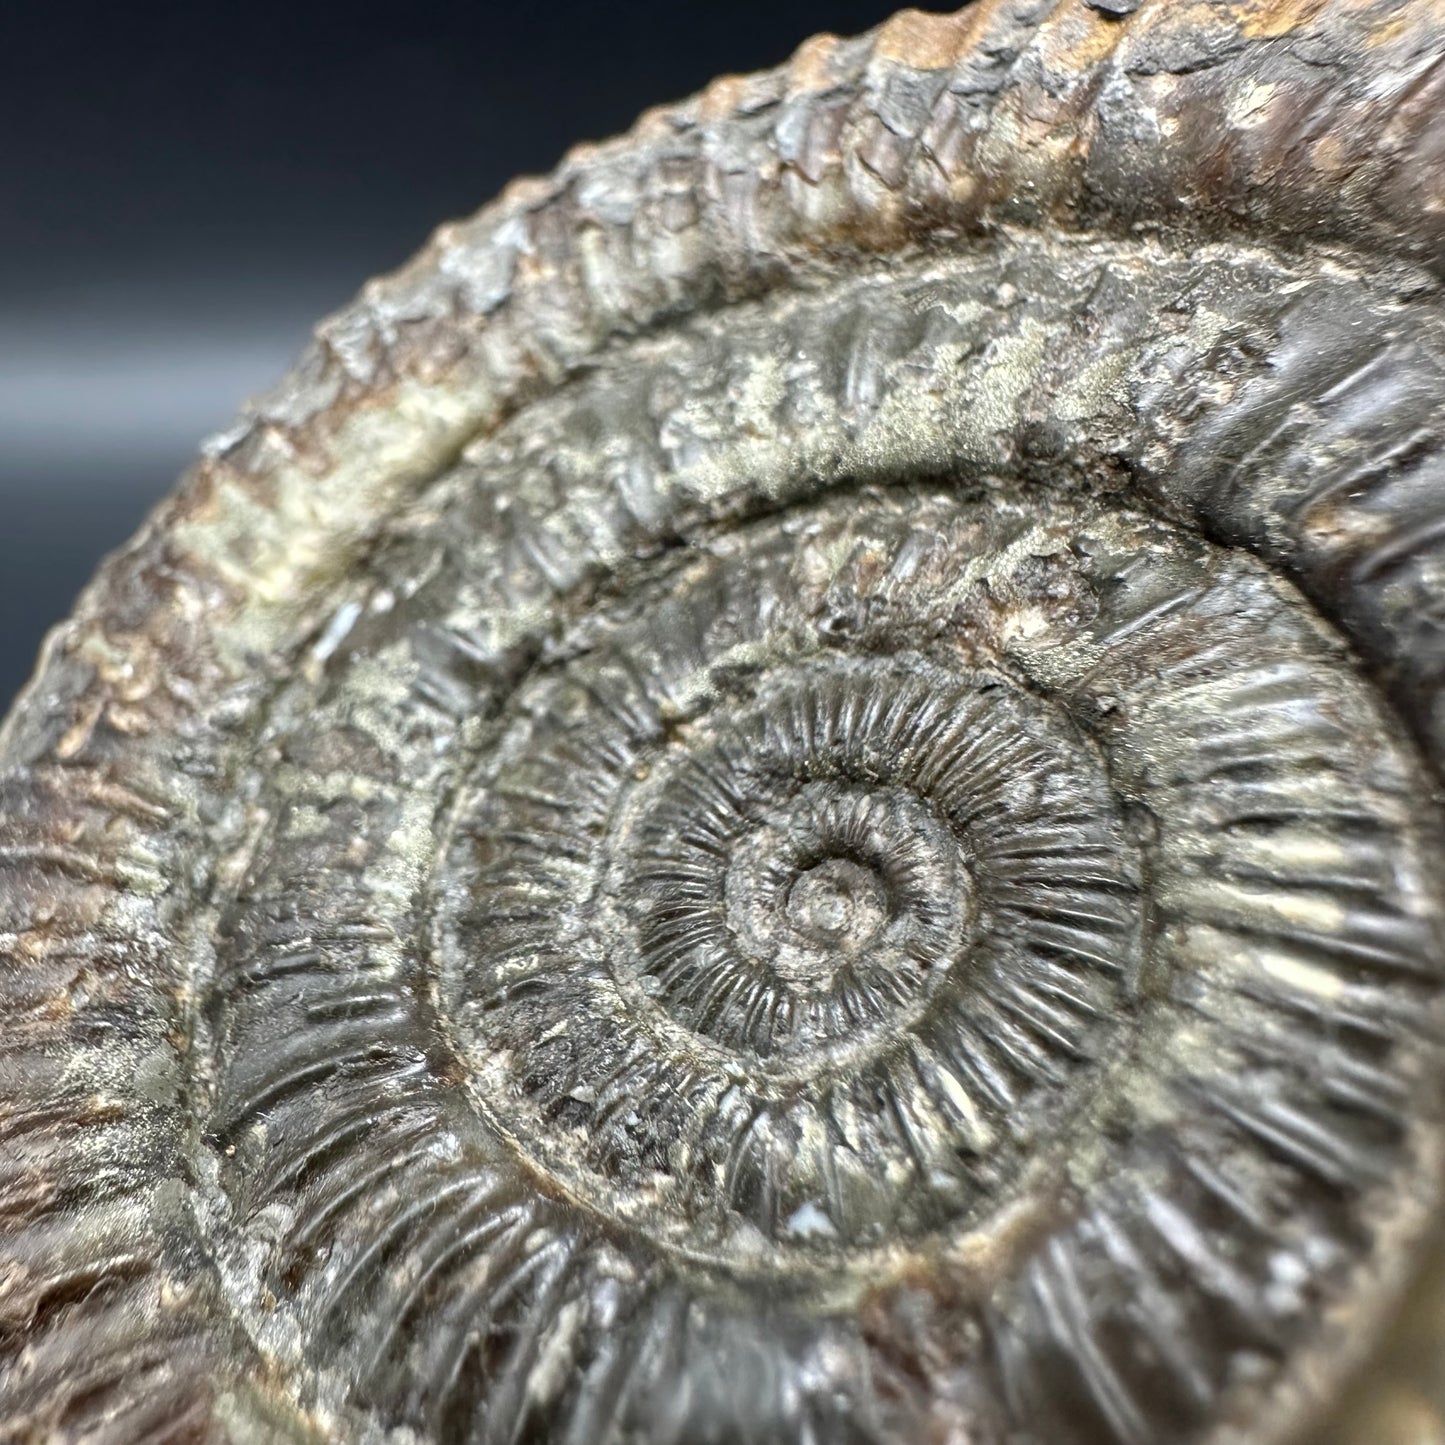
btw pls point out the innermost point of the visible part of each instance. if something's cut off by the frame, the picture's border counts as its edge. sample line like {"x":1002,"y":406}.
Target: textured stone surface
{"x":789,"y":792}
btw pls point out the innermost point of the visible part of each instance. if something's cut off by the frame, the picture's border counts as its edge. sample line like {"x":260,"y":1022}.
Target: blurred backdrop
{"x":185,"y":188}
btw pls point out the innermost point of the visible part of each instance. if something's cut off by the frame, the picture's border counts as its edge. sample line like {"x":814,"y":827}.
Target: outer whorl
{"x":787,"y":793}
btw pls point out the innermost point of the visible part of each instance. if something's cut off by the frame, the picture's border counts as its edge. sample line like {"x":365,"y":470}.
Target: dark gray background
{"x":186,"y":188}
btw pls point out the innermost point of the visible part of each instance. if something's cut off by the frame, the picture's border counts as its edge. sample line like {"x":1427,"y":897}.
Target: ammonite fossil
{"x":788,"y":793}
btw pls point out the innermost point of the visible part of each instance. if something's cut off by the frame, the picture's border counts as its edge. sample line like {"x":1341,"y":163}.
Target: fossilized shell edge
{"x":1100,"y":124}
{"x":1160,"y":119}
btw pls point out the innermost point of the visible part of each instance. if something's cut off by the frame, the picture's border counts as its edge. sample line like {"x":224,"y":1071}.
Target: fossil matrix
{"x":786,"y":795}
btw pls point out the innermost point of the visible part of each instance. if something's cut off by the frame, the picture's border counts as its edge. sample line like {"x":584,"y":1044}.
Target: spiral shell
{"x":788,"y":793}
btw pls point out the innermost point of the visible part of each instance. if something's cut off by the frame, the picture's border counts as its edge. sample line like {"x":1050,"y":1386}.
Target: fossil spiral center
{"x":804,"y":901}
{"x":837,"y":902}
{"x":770,"y":936}
{"x":774,"y":897}
{"x":723,"y":921}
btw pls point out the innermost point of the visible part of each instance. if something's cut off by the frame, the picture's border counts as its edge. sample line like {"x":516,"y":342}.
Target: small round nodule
{"x":838,"y":903}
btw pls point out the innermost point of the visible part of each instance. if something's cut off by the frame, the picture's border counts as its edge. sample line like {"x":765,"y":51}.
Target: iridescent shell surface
{"x":786,"y":795}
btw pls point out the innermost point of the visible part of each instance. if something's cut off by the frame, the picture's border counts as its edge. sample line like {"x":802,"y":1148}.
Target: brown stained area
{"x":1270,"y":19}
{"x":1395,"y":25}
{"x":811,"y":68}
{"x":725,"y":95}
{"x":931,"y":41}
{"x":1081,"y":40}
